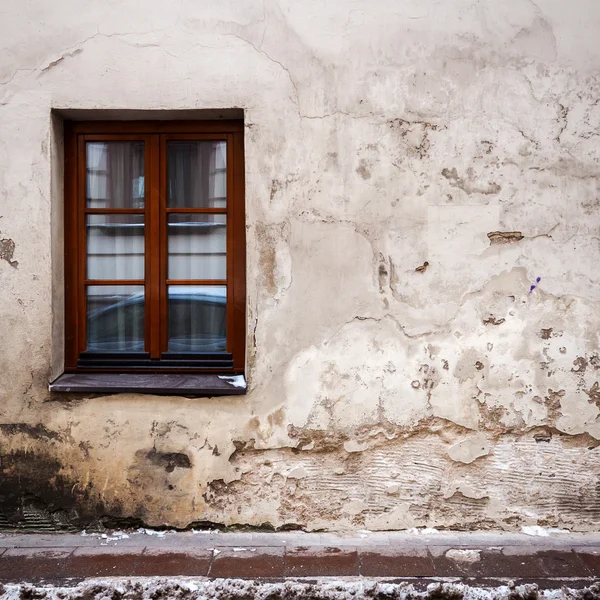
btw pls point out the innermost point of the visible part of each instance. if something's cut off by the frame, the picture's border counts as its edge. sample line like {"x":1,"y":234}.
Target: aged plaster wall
{"x":423,"y":308}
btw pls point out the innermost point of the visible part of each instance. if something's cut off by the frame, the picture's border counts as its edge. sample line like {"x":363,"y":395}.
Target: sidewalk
{"x":483,"y":559}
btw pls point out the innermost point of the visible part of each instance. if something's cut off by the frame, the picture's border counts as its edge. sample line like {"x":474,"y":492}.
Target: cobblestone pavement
{"x":485,"y":559}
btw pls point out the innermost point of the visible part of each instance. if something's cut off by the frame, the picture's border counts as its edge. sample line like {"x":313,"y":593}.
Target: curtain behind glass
{"x":196,"y":174}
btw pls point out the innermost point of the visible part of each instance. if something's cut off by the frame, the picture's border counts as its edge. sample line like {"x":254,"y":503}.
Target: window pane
{"x":196,"y":174}
{"x":115,"y":318}
{"x":115,"y":246}
{"x":197,"y":246}
{"x":197,"y":318}
{"x":115,"y":174}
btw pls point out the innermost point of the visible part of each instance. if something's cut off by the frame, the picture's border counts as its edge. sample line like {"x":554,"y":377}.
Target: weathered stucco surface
{"x":423,"y":246}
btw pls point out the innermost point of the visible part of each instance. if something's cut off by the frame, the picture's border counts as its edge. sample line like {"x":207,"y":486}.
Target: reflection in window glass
{"x":115,"y":174}
{"x":115,"y":246}
{"x":197,"y":246}
{"x":115,"y":318}
{"x":196,"y":174}
{"x":197,"y":318}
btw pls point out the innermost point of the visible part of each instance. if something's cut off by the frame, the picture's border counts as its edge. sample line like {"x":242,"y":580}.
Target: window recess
{"x":154,"y":247}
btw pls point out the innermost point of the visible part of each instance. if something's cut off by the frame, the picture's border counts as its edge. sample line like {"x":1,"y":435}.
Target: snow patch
{"x":422,"y":531}
{"x":541,"y":531}
{"x":189,"y":588}
{"x":234,"y":380}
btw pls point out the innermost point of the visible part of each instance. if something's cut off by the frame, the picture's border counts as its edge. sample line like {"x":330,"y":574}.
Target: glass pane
{"x":197,"y":246}
{"x":115,"y":318}
{"x":197,"y":318}
{"x":115,"y":246}
{"x":114,"y":174}
{"x":196,"y":174}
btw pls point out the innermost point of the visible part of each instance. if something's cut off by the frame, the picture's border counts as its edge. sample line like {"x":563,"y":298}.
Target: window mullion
{"x":153,"y":248}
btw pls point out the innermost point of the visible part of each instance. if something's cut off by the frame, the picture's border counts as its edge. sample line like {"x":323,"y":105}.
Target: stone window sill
{"x":172,"y":384}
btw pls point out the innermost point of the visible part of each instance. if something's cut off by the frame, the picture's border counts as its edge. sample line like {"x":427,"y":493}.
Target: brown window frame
{"x":155,"y":134}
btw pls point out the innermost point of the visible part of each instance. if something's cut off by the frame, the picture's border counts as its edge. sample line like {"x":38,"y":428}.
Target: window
{"x":154,"y":247}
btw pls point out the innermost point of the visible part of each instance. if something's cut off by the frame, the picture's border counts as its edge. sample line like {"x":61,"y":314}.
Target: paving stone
{"x":327,"y":561}
{"x":484,"y":562}
{"x":248,"y":563}
{"x":394,"y":562}
{"x":32,"y":564}
{"x":590,"y":557}
{"x":103,"y":562}
{"x":169,"y":562}
{"x":562,"y":563}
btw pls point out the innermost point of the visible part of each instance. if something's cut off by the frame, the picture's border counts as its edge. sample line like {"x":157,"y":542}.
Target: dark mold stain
{"x":169,"y":460}
{"x":466,"y":184}
{"x":35,"y":432}
{"x":546,"y":333}
{"x":276,"y":185}
{"x":422,"y":268}
{"x":363,"y":169}
{"x":382,"y":273}
{"x":35,"y":494}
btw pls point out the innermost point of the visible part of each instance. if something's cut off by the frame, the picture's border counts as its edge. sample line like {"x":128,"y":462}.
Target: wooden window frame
{"x":155,"y":134}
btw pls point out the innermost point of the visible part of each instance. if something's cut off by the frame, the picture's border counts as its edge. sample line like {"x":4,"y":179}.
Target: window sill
{"x":172,"y":384}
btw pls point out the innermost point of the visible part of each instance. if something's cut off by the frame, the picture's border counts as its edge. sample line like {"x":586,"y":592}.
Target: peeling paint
{"x":504,"y":237}
{"x":7,"y":251}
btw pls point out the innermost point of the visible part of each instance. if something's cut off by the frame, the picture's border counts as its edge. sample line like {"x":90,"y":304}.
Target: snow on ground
{"x":237,"y":589}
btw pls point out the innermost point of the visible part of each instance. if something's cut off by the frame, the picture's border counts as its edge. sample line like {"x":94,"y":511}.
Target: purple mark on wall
{"x":534,"y":285}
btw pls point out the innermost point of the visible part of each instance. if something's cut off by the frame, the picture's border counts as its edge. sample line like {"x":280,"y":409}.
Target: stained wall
{"x":422,"y":240}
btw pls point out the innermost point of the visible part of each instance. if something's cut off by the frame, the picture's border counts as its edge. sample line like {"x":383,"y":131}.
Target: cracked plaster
{"x":389,"y":146}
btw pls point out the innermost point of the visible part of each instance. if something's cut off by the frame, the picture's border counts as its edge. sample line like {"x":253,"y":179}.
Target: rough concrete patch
{"x":354,"y":446}
{"x":470,"y":449}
